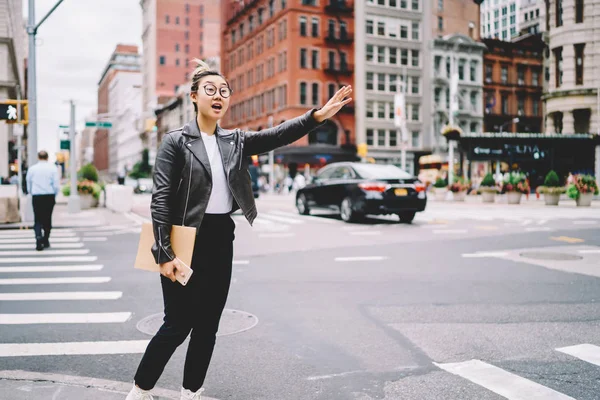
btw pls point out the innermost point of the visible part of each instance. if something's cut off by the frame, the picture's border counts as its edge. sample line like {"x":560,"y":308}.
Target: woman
{"x":201,"y":177}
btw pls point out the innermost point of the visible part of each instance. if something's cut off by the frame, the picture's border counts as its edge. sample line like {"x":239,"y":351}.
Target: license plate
{"x":400,"y":192}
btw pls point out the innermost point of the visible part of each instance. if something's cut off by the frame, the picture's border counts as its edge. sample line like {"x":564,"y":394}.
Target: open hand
{"x":334,"y":104}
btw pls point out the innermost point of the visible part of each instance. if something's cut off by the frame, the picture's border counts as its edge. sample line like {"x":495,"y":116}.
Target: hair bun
{"x":202,"y":66}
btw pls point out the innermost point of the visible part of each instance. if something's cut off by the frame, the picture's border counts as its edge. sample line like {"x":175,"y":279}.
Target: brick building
{"x":283,"y":57}
{"x":513,"y":84}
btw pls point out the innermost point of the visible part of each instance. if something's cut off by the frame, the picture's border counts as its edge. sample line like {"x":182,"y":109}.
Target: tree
{"x":142,"y":169}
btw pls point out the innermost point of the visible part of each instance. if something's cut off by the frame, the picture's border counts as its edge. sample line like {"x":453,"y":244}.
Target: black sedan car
{"x":356,"y":189}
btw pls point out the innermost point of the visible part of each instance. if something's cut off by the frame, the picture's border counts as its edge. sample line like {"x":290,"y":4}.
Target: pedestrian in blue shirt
{"x":42,"y":184}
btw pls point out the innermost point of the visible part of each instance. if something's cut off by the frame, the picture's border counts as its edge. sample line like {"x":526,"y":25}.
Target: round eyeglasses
{"x":211,"y":90}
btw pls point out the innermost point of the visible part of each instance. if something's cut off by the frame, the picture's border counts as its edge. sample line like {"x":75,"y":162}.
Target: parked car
{"x":356,"y":189}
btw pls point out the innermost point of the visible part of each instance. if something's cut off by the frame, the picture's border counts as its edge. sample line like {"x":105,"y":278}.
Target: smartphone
{"x":183,"y":273}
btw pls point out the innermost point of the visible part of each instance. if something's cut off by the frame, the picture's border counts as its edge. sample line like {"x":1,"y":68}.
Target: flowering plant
{"x":459,"y":185}
{"x":488,"y":184}
{"x":84,"y":187}
{"x":447,"y":129}
{"x":515,"y":182}
{"x":582,"y":184}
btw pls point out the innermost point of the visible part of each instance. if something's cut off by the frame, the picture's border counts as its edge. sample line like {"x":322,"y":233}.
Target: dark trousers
{"x":43,"y":205}
{"x":195,"y":308}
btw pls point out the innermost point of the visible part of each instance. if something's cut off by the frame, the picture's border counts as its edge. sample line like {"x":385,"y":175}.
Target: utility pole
{"x":271,"y":163}
{"x":31,"y":81}
{"x":453,"y":90}
{"x":74,"y":201}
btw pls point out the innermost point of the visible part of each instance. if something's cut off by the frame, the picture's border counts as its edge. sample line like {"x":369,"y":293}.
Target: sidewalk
{"x":501,"y":200}
{"x":23,"y":385}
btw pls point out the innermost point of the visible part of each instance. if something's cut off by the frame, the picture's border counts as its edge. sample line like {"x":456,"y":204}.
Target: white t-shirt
{"x":221,"y":199}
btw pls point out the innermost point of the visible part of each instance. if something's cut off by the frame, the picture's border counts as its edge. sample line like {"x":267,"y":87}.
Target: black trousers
{"x":195,"y":308}
{"x":43,"y":205}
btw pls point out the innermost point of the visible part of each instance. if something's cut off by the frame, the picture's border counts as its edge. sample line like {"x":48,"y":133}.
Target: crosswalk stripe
{"x":499,"y":381}
{"x":365,"y":258}
{"x":54,"y":281}
{"x":32,"y":240}
{"x":283,"y":219}
{"x":13,"y":260}
{"x":94,"y":239}
{"x":262,"y":221}
{"x":64,"y":318}
{"x":29,"y":245}
{"x":28,"y":234}
{"x":585,"y":222}
{"x":45,"y":253}
{"x":585,"y":352}
{"x":449,"y":231}
{"x":60,"y":296}
{"x":311,"y":217}
{"x":72,"y":348}
{"x":54,"y":268}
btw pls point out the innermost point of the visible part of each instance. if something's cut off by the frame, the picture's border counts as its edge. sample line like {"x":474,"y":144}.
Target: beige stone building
{"x":572,"y":100}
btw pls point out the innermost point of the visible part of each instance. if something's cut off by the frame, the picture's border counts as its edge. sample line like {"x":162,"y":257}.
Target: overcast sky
{"x":73,"y":47}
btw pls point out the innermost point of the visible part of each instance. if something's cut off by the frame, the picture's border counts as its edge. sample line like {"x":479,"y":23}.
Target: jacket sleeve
{"x":280,"y":135}
{"x":166,"y":176}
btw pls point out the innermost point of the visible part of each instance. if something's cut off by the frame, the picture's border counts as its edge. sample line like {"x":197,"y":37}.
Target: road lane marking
{"x":32,"y":240}
{"x":542,"y":221}
{"x":586,"y":352}
{"x":526,"y":222}
{"x":241,"y":262}
{"x":538,"y":229}
{"x":364,"y":258}
{"x":54,"y":281}
{"x":54,"y":268}
{"x":594,"y":251}
{"x":499,"y":381}
{"x":65,"y":318}
{"x":313,"y":217}
{"x":286,"y":220}
{"x":487,"y":228}
{"x":95,"y":239}
{"x":484,"y":254}
{"x":585,"y":222}
{"x":15,"y":246}
{"x":12,"y":260}
{"x":450,"y":231}
{"x":46,"y":252}
{"x":28,"y":234}
{"x":262,"y":221}
{"x":73,"y":348}
{"x":567,"y":239}
{"x":60,"y":296}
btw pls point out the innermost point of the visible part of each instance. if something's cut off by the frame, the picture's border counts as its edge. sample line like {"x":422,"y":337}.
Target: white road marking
{"x":66,"y":318}
{"x":45,"y":252}
{"x":54,"y":268}
{"x":32,"y":240}
{"x":485,"y":254}
{"x":137,"y":218}
{"x":28,"y":234}
{"x":15,"y":246}
{"x":538,"y":229}
{"x":241,"y":262}
{"x":72,"y":348}
{"x":54,"y":281}
{"x":60,"y":296}
{"x":499,"y":381}
{"x":526,"y":222}
{"x":365,"y":233}
{"x":591,"y":251}
{"x":542,"y":221}
{"x":13,"y":260}
{"x":364,"y":258}
{"x":313,"y":217}
{"x":262,"y":221}
{"x":95,"y":239}
{"x":283,"y":219}
{"x":585,"y":222}
{"x":450,"y":231}
{"x":276,"y":235}
{"x":586,"y":352}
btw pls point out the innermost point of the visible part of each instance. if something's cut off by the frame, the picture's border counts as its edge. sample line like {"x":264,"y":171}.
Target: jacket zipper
{"x":188,"y":192}
{"x":161,"y":246}
{"x":242,"y":150}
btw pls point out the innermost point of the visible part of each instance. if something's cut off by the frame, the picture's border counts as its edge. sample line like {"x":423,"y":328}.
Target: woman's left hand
{"x":334,"y":104}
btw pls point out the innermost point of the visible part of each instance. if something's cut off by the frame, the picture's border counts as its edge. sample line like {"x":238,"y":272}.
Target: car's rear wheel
{"x":348,"y":213}
{"x":302,"y":205}
{"x":407,"y":217}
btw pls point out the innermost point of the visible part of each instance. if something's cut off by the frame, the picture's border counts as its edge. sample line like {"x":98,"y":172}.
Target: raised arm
{"x":292,"y":130}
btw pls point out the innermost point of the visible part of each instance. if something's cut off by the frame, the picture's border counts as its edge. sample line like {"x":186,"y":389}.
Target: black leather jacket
{"x":183,"y":180}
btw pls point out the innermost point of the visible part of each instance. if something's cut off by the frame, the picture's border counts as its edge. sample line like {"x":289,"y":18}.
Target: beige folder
{"x":183,"y":239}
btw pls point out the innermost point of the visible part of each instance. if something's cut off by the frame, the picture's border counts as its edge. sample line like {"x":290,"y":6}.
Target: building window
{"x":303,"y":89}
{"x":505,"y":105}
{"x":393,"y":88}
{"x":381,"y":82}
{"x":303,"y":58}
{"x":474,"y":101}
{"x":331,"y":90}
{"x":370,"y":52}
{"x":381,"y":137}
{"x":404,"y":57}
{"x":381,"y":110}
{"x":558,"y":66}
{"x":415,"y":31}
{"x":315,"y":94}
{"x":370,"y":81}
{"x":559,"y":13}
{"x":177,"y":62}
{"x":403,"y":32}
{"x":578,"y":11}
{"x":579,"y":63}
{"x":521,"y":105}
{"x":535,"y":78}
{"x":309,"y":2}
{"x":381,"y":54}
{"x":393,"y":136}
{"x":343,"y":30}
{"x":315,"y":59}
{"x":415,"y":139}
{"x":303,"y":23}
{"x":504,"y":75}
{"x":393,"y":52}
{"x":315,"y":27}
{"x":167,"y":19}
{"x":369,"y":26}
{"x":447,"y":98}
{"x":176,"y":46}
{"x":520,"y":75}
{"x":415,"y":112}
{"x":440,"y":24}
{"x":437,"y":96}
{"x":504,"y":11}
{"x":331,"y":60}
{"x":162,"y":60}
{"x":381,"y":28}
{"x":370,"y":109}
{"x":283,"y":4}
{"x":393,"y":3}
{"x":473,"y":127}
{"x":177,"y":20}
{"x":440,"y":5}
{"x":187,"y":21}
{"x":535,"y":107}
{"x":415,"y":85}
{"x":415,"y":5}
{"x":488,"y":73}
{"x":461,"y":71}
{"x":473,"y":71}
{"x":370,"y":137}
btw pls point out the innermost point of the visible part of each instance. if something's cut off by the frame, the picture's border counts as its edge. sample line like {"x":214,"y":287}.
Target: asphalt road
{"x":468,"y":302}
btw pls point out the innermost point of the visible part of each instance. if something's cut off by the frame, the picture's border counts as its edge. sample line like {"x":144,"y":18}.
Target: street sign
{"x":8,"y":112}
{"x":98,"y":124}
{"x":65,"y":144}
{"x":63,"y":126}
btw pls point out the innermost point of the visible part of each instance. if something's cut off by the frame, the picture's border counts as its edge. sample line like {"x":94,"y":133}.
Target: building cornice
{"x":569,"y":92}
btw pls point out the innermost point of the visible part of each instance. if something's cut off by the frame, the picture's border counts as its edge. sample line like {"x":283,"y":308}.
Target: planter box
{"x":488,"y":197}
{"x":459,"y":196}
{"x":514,"y":197}
{"x":585,"y":199}
{"x":551,"y":199}
{"x":87,"y":201}
{"x":440,"y":193}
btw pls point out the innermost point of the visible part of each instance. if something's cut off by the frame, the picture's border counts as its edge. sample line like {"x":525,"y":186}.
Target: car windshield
{"x":375,"y":171}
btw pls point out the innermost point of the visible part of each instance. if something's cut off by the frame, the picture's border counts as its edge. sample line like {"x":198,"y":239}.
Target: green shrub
{"x":552,"y":180}
{"x":88,"y":172}
{"x":440,"y":183}
{"x":582,"y":184}
{"x":488,"y":181}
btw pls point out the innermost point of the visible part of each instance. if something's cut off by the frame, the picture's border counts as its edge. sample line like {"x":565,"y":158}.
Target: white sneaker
{"x":187,"y":394}
{"x":139,"y":394}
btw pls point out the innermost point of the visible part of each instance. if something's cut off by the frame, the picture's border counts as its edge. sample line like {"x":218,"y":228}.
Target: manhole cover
{"x":539,"y":255}
{"x":232,"y":321}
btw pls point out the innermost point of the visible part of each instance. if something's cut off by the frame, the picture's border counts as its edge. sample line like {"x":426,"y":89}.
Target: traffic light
{"x":362,"y":150}
{"x":9,"y":112}
{"x":14,"y":111}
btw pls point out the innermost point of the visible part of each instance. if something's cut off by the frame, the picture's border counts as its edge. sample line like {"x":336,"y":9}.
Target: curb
{"x":95,"y":383}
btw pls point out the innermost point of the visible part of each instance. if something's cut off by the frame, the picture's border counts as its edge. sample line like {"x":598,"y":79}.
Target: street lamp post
{"x":512,"y":121}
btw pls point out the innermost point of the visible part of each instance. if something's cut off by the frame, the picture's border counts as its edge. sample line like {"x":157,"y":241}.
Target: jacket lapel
{"x":196,"y":145}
